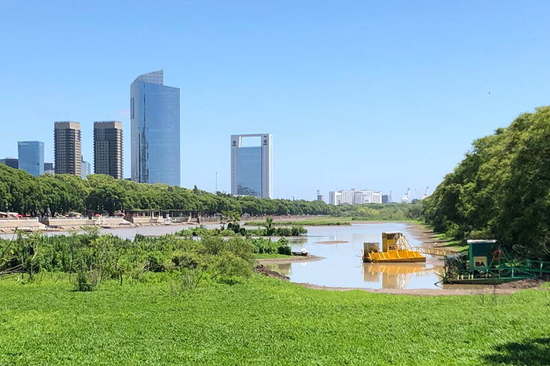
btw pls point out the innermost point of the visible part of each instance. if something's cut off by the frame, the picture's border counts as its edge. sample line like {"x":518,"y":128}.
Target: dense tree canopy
{"x":60,"y":194}
{"x":501,"y":189}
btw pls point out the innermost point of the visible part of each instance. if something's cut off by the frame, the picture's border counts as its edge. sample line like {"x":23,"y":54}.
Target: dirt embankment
{"x":451,"y":290}
{"x":260,"y":268}
{"x":292,"y":259}
{"x":428,"y":238}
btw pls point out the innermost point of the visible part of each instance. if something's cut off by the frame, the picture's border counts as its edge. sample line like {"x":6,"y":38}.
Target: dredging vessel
{"x":395,"y":249}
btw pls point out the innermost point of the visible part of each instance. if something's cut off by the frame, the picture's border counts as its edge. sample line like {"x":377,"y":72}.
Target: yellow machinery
{"x":395,"y":248}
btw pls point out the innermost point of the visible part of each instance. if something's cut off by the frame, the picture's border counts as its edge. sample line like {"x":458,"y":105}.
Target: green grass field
{"x":266,"y":322}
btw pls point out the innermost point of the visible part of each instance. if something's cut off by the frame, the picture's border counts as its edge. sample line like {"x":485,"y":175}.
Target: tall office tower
{"x":251,"y":166}
{"x":31,"y":157}
{"x":11,"y":162}
{"x":155,"y":117}
{"x":108,"y":148}
{"x":67,"y":148}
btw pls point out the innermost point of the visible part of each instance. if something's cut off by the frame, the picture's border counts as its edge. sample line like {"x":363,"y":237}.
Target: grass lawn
{"x":266,"y":322}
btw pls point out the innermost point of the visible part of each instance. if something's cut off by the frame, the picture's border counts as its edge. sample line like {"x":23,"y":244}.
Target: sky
{"x":381,"y":95}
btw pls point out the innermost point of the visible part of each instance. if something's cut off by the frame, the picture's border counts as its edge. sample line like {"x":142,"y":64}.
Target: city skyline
{"x":363,"y":94}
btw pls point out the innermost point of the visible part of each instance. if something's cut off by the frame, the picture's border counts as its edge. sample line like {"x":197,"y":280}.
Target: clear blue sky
{"x":367,"y":94}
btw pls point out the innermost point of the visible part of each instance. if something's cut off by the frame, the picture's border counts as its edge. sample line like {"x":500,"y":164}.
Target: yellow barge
{"x":395,"y":249}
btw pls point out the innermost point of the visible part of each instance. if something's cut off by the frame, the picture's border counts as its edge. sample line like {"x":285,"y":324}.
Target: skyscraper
{"x":31,"y":157}
{"x":155,"y":117}
{"x":251,"y":166}
{"x":67,"y":148}
{"x":108,"y":148}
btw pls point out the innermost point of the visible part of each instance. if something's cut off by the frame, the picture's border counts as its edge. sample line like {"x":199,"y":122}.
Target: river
{"x":342,"y":264}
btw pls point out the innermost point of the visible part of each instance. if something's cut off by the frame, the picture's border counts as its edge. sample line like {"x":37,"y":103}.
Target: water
{"x":343,"y":266}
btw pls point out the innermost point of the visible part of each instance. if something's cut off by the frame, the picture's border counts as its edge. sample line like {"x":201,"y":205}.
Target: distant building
{"x":251,"y":166}
{"x":385,"y":198}
{"x":108,"y":148}
{"x":319,"y":196}
{"x":155,"y":135}
{"x":31,"y":157}
{"x":354,"y":197}
{"x":11,"y":162}
{"x":335,"y":198}
{"x":67,"y":148}
{"x":85,"y":168}
{"x":49,"y":168}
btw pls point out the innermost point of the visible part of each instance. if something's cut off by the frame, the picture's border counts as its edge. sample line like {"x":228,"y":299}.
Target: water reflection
{"x":342,"y":265}
{"x":394,"y":275}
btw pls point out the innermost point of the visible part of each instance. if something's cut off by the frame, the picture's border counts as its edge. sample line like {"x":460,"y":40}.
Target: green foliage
{"x":266,"y":322}
{"x":268,"y":246}
{"x":60,"y":194}
{"x":501,"y":189}
{"x":96,"y":258}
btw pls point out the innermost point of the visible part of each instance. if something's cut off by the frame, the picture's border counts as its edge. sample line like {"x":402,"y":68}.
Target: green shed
{"x":481,"y":253}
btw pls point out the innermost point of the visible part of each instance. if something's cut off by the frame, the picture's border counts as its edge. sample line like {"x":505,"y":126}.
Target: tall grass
{"x":94,"y":258}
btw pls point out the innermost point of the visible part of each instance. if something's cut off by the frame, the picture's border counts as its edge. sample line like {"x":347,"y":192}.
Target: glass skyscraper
{"x":155,"y":120}
{"x":31,"y":157}
{"x":251,"y":166}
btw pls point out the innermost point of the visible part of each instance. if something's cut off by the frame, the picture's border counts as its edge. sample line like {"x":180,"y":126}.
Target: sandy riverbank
{"x":450,"y":290}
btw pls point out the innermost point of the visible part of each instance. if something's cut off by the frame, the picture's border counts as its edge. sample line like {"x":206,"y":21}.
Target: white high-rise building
{"x":354,"y":197}
{"x":334,"y":198}
{"x":251,"y":166}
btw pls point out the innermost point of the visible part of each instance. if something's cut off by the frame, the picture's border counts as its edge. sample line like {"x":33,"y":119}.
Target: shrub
{"x":230,"y":269}
{"x":85,"y":281}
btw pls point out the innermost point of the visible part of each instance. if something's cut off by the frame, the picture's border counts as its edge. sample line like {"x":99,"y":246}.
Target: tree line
{"x":501,"y":189}
{"x":49,"y":195}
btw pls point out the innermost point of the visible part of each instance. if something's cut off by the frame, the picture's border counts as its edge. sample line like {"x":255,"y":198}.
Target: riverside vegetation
{"x":501,"y":189}
{"x":177,"y":300}
{"x":183,"y":299}
{"x":61,"y":194}
{"x":90,"y":258}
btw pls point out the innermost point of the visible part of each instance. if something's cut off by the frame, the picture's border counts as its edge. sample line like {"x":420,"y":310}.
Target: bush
{"x":96,"y":258}
{"x":85,"y":281}
{"x":230,"y":269}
